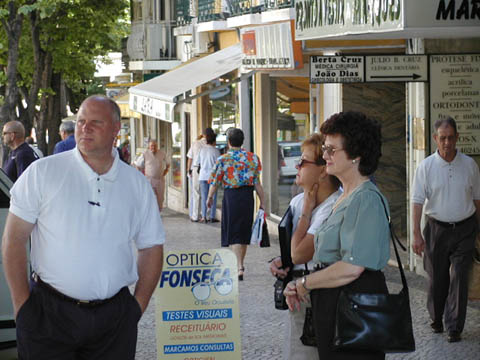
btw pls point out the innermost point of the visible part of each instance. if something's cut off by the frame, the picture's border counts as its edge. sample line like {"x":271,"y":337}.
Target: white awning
{"x":157,"y":97}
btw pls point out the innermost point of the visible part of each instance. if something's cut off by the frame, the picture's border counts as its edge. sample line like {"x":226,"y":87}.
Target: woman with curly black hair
{"x":352,"y":245}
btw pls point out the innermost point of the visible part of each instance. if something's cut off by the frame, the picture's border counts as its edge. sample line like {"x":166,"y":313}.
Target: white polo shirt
{"x":86,"y":224}
{"x":195,"y":149}
{"x":448,"y":188}
{"x":319,"y":215}
{"x":206,"y":159}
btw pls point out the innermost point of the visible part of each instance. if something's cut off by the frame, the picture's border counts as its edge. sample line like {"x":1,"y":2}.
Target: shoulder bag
{"x":381,"y":322}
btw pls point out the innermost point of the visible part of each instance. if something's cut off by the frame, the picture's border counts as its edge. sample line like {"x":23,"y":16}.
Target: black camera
{"x":280,"y":300}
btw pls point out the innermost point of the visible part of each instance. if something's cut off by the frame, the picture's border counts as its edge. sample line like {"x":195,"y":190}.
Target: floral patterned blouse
{"x":236,"y":168}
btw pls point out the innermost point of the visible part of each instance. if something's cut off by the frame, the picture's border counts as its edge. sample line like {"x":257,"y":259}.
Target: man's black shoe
{"x":454,"y":336}
{"x":436,"y":327}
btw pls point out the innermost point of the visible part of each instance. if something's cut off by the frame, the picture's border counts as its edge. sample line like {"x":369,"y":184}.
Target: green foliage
{"x":74,"y":32}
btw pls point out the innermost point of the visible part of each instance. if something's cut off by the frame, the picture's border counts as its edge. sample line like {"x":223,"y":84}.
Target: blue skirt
{"x":237,"y":215}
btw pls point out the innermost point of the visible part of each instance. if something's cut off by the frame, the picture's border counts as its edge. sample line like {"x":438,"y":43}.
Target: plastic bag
{"x":257,"y":228}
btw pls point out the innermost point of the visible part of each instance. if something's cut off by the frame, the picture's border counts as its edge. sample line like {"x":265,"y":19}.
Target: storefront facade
{"x":406,"y":86}
{"x":277,"y":105}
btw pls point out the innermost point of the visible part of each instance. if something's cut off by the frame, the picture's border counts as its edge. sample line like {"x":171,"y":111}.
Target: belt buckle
{"x":452,"y":224}
{"x":83,"y":302}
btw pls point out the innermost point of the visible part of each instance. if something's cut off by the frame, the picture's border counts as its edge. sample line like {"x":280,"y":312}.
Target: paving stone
{"x":262,"y":327}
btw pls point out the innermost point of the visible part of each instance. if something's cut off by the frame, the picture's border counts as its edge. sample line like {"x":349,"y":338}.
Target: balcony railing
{"x":186,"y":11}
{"x":278,"y":4}
{"x":210,"y":10}
{"x":152,"y":40}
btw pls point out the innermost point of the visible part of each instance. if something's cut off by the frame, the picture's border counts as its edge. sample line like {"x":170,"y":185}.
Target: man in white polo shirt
{"x":449,"y":182}
{"x":193,"y":172}
{"x":78,"y":305}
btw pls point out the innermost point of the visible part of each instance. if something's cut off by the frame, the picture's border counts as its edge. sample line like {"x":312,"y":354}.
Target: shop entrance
{"x":386,"y":103}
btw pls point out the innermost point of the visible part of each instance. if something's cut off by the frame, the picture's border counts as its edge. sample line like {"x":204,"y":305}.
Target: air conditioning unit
{"x":200,"y":41}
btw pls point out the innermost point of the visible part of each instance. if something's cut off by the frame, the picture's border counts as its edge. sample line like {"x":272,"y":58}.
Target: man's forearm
{"x":150,"y":263}
{"x":14,"y":255}
{"x":417,"y":217}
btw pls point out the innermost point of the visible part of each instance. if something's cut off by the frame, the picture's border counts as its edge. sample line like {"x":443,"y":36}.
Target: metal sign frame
{"x":387,"y":78}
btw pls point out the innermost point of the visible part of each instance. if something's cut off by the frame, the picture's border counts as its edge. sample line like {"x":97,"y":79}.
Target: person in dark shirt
{"x":67,"y":130}
{"x":21,"y":154}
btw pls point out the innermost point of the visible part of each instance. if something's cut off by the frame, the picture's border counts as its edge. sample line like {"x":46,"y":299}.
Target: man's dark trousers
{"x":49,"y":327}
{"x":448,"y":257}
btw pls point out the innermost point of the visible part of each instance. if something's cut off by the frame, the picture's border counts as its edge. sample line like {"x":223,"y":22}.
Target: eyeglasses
{"x":329,"y":150}
{"x":201,"y":291}
{"x":301,"y":162}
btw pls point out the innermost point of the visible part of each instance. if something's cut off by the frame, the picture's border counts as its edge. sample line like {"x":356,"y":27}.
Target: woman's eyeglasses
{"x":330,"y":150}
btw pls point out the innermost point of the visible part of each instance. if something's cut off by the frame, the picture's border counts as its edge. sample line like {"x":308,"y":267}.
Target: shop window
{"x":292,"y":122}
{"x":176,"y":155}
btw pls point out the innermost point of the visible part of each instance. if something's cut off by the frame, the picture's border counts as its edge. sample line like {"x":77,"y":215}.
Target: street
{"x":262,"y":326}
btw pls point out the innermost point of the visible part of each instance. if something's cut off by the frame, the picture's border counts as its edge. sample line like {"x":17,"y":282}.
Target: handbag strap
{"x":395,"y":240}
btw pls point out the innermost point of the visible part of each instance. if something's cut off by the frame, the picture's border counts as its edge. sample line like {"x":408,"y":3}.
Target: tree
{"x":60,"y":39}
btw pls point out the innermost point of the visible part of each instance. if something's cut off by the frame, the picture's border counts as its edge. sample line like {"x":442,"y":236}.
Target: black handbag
{"x":265,"y":242}
{"x":376,"y":322}
{"x":308,"y":334}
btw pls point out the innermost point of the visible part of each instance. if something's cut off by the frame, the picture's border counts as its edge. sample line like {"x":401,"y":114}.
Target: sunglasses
{"x":330,"y":150}
{"x":301,"y":162}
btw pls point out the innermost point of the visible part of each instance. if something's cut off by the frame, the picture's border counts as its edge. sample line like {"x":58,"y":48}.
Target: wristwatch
{"x":304,"y":283}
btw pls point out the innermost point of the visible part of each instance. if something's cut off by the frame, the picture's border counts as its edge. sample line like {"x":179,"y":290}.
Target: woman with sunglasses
{"x":352,"y":245}
{"x":309,"y":210}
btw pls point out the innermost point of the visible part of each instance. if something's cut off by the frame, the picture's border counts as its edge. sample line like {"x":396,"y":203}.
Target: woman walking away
{"x":352,"y":245}
{"x":239,"y":171}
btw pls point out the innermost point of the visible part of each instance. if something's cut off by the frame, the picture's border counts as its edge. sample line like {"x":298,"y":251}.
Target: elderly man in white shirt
{"x":448,"y":182}
{"x":77,"y":304}
{"x":192,"y":154}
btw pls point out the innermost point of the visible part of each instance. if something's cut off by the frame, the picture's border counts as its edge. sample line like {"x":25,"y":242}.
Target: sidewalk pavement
{"x":262,"y":327}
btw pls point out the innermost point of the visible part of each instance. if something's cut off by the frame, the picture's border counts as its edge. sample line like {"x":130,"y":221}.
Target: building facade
{"x":278,"y":68}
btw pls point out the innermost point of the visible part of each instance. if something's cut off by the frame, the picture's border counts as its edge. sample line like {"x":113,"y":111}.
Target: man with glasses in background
{"x":21,"y":154}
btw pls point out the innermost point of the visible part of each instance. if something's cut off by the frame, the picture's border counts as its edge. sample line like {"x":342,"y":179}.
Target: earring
{"x":354,"y":161}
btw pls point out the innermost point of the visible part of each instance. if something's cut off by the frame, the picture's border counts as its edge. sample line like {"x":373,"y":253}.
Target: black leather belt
{"x":84,"y":303}
{"x":452,"y":224}
{"x":299,"y":273}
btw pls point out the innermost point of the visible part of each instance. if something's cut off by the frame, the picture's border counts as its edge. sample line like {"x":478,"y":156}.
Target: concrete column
{"x":332,"y":100}
{"x":332,"y":97}
{"x":417,"y":127}
{"x":183,"y":152}
{"x":265,"y":141}
{"x":245,"y":112}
